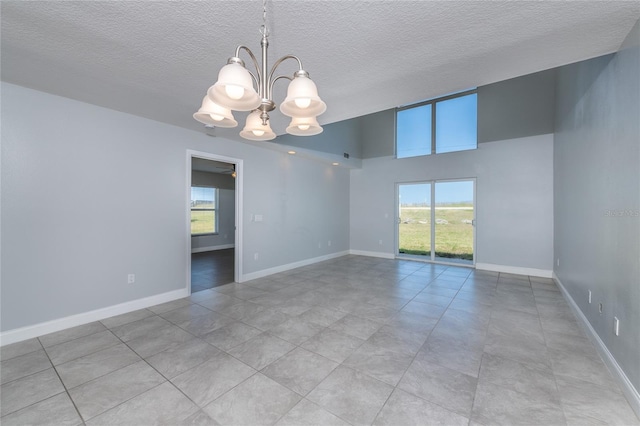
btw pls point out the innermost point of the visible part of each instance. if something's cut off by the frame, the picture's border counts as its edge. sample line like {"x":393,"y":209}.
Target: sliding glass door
{"x":454,"y":220}
{"x":436,"y":220}
{"x":414,"y":223}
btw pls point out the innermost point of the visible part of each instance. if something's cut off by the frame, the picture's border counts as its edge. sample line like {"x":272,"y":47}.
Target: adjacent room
{"x":212,"y":223}
{"x":329,"y":213}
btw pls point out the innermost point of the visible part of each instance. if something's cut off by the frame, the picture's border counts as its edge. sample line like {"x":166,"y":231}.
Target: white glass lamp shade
{"x":307,"y":126}
{"x":302,"y":99}
{"x":254,"y":130}
{"x":234,"y":89}
{"x":212,"y":114}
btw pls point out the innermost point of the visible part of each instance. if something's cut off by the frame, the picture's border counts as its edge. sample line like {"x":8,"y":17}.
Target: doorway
{"x":214,"y":253}
{"x":436,"y":221}
{"x":211,"y":268}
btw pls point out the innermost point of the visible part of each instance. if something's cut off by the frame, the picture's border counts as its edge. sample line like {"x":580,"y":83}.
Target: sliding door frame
{"x":432,"y":257}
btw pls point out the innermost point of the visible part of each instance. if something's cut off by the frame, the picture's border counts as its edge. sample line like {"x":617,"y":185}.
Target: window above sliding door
{"x":437,"y":126}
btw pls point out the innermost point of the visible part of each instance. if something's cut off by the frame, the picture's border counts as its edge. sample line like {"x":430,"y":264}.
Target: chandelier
{"x":235,"y":90}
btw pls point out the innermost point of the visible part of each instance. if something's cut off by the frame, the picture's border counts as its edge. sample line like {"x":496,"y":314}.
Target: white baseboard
{"x":289,"y":266}
{"x":36,"y":330}
{"x":618,"y":374}
{"x":372,"y":254}
{"x":212,"y":248}
{"x":542,"y":273}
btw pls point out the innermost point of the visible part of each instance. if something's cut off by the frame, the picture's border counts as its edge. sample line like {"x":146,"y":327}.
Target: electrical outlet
{"x":131,"y":278}
{"x":329,"y":243}
{"x":255,"y":256}
{"x":380,"y":242}
{"x":616,"y":326}
{"x":589,"y":296}
{"x":319,"y":245}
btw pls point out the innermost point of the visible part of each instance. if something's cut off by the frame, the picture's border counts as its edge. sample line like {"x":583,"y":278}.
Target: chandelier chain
{"x":263,"y":29}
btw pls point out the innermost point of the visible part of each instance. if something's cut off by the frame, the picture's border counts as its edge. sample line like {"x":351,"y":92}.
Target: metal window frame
{"x":433,"y":103}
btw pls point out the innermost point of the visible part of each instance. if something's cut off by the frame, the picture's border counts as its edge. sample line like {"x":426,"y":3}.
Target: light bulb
{"x":303,"y":102}
{"x":233,"y":91}
{"x":258,"y":132}
{"x":216,"y":117}
{"x":303,"y":127}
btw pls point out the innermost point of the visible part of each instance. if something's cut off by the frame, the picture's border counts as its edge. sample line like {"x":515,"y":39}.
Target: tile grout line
{"x":555,"y":377}
{"x":64,"y":386}
{"x":147,"y":363}
{"x":344,"y":273}
{"x":416,"y":354}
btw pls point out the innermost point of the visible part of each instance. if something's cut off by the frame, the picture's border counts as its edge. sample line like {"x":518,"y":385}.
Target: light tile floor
{"x":355,"y":340}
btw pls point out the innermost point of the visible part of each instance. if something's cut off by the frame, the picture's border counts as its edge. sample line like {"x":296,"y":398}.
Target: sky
{"x":446,"y":192}
{"x":456,"y":124}
{"x":456,"y":127}
{"x":202,"y":194}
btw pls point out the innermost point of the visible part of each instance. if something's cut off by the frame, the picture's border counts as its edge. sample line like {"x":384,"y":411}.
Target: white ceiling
{"x":157,"y":59}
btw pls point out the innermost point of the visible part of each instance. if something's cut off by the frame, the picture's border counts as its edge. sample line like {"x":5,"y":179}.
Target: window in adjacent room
{"x":204,"y":207}
{"x":440,"y":125}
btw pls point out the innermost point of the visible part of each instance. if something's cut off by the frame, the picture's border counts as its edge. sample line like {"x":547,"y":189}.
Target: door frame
{"x":239,"y":187}
{"x":431,"y":258}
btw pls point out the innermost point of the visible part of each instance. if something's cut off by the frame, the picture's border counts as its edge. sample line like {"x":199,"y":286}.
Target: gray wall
{"x":377,"y":131}
{"x":226,"y":210}
{"x":518,"y":107}
{"x":513,"y":166}
{"x":90,"y":195}
{"x":514,"y":199}
{"x":597,"y":171}
{"x":304,"y":205}
{"x":336,"y":138}
{"x":511,"y":109}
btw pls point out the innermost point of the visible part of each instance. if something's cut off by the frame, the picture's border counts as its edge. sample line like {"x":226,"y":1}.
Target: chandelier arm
{"x":255,"y":63}
{"x":233,"y":88}
{"x":273,"y":81}
{"x":281,"y":60}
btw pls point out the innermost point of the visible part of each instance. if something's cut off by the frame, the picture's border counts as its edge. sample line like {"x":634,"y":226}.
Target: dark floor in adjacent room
{"x":211,"y":269}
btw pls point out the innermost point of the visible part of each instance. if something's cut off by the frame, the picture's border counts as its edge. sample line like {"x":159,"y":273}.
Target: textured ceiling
{"x":157,"y":59}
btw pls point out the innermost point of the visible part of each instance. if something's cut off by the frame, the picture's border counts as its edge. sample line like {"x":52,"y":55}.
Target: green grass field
{"x":454,"y":238}
{"x":203,"y":221}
